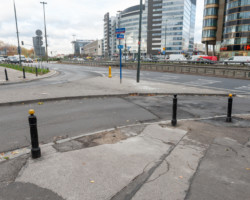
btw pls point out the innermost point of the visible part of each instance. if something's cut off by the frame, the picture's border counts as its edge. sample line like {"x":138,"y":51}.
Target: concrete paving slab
{"x":171,"y":180}
{"x":99,"y":172}
{"x":223,"y":173}
{"x":26,"y":191}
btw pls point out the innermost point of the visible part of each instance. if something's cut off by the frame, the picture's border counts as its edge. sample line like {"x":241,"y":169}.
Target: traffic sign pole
{"x":120,"y":65}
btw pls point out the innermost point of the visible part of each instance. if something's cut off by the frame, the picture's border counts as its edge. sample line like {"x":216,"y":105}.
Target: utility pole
{"x":139,"y":44}
{"x":17,"y":33}
{"x":165,"y":41}
{"x":46,"y":43}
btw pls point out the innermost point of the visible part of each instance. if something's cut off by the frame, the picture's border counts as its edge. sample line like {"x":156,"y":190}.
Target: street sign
{"x":129,"y":48}
{"x":120,"y":36}
{"x":120,"y":30}
{"x":163,"y":52}
{"x":120,"y":46}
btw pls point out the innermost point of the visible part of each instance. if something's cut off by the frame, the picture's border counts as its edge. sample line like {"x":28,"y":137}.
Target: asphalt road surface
{"x":71,"y":73}
{"x":74,"y":117}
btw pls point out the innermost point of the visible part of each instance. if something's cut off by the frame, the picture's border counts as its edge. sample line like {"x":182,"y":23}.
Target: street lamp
{"x":46,"y":43}
{"x":17,"y":33}
{"x":139,"y":44}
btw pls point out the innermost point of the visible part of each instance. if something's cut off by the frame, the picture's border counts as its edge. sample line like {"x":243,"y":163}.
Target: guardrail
{"x":188,"y":67}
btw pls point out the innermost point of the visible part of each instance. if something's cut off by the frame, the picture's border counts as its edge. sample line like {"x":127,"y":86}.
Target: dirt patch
{"x":110,"y":137}
{"x":107,"y":137}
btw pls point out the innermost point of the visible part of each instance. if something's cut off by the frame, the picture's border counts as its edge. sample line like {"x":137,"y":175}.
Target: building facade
{"x":93,"y":49}
{"x":226,"y":25}
{"x":167,"y":27}
{"x":78,"y":44}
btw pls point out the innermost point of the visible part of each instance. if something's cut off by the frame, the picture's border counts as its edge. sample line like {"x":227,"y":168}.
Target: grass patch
{"x":27,"y":69}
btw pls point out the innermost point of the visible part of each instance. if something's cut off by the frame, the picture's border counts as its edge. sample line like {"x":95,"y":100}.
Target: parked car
{"x":28,"y":60}
{"x":205,"y":61}
{"x":12,"y":60}
{"x":2,"y":60}
{"x":147,"y":59}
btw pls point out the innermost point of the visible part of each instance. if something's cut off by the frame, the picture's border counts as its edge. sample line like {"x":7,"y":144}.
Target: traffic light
{"x":22,"y":43}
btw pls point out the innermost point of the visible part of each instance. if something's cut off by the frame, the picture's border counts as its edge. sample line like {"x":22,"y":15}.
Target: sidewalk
{"x":98,"y":86}
{"x":16,"y":76}
{"x":197,"y":160}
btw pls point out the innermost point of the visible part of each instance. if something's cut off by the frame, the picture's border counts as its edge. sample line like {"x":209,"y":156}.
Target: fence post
{"x":174,"y":114}
{"x":35,"y":150}
{"x":229,"y":108}
{"x":6,"y":74}
{"x":24,"y":73}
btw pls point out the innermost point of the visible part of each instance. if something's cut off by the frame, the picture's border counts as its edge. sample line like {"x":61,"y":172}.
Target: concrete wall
{"x":208,"y":70}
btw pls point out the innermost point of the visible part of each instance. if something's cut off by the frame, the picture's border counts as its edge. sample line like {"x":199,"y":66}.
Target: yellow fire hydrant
{"x":110,"y":75}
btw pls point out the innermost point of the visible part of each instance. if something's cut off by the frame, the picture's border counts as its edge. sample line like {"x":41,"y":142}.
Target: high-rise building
{"x":226,"y":26}
{"x":167,"y":26}
{"x":171,"y":26}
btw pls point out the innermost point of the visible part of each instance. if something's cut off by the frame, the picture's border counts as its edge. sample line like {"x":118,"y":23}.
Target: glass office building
{"x":171,"y":26}
{"x":226,"y":24}
{"x":167,"y":26}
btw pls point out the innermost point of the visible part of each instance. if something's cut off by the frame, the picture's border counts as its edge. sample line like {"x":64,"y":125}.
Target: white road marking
{"x":203,"y":82}
{"x":244,"y":87}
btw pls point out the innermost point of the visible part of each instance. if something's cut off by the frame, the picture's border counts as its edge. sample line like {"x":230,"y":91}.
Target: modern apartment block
{"x":167,"y":25}
{"x":226,"y":26}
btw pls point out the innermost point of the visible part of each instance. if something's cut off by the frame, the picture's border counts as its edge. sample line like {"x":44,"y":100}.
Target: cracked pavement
{"x":153,"y":161}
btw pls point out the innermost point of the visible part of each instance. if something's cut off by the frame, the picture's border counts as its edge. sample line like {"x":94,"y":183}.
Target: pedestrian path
{"x":16,"y":76}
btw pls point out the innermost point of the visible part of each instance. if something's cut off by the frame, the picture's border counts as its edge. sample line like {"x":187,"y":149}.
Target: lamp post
{"x":166,"y":38}
{"x":46,"y":43}
{"x":17,"y":33}
{"x":139,"y":44}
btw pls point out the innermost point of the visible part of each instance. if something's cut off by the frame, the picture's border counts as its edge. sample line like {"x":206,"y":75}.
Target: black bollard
{"x":174,"y":120}
{"x":229,"y":108}
{"x":6,"y":75}
{"x":35,"y":149}
{"x":24,"y":73}
{"x":36,"y":72}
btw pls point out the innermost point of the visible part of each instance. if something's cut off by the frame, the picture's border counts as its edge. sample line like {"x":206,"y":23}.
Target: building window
{"x":210,"y":22}
{"x":211,"y":12}
{"x":208,"y":33}
{"x":211,"y":2}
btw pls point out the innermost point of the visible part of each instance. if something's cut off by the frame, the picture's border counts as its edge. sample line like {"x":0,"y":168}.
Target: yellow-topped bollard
{"x":31,"y":112}
{"x":110,"y":75}
{"x":230,"y":95}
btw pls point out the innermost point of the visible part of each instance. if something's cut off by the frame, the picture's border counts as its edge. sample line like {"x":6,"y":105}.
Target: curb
{"x":54,"y":73}
{"x":108,"y":96}
{"x":12,"y":154}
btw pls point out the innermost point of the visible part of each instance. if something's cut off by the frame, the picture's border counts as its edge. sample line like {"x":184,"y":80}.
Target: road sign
{"x":120,"y":30}
{"x":129,"y":48}
{"x":163,"y":52}
{"x":120,"y":36}
{"x":120,"y":46}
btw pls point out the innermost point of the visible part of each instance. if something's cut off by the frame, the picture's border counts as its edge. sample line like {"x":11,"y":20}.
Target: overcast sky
{"x":83,"y":18}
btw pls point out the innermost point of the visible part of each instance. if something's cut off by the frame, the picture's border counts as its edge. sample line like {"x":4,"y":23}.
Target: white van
{"x":176,"y":57}
{"x":238,"y":59}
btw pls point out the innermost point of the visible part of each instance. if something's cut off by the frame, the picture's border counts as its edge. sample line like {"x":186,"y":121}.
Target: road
{"x":71,"y":73}
{"x":74,"y":117}
{"x":71,"y":118}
